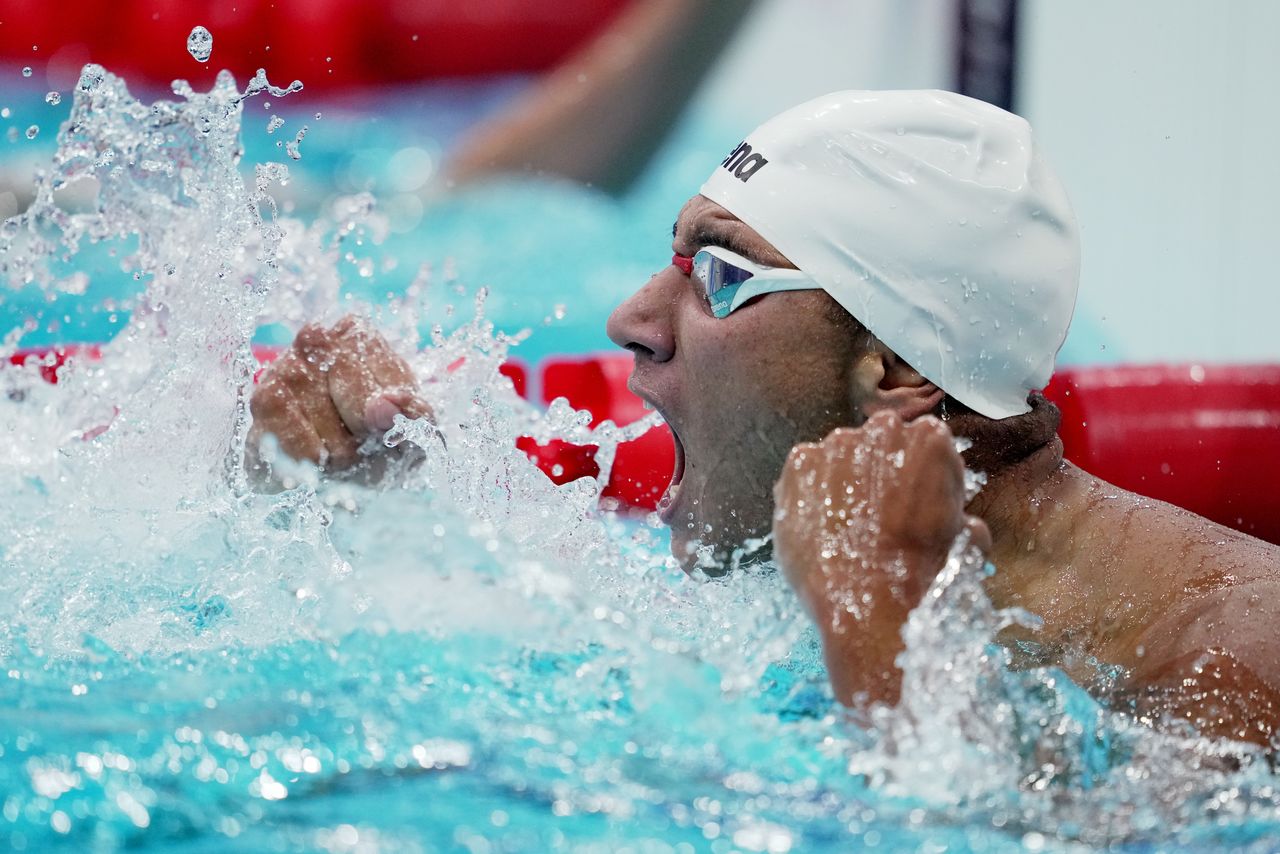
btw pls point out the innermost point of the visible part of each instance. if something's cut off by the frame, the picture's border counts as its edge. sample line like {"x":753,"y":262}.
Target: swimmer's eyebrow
{"x":725,"y":239}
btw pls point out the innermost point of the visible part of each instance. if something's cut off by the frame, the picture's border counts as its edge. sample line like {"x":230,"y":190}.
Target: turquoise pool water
{"x":472,"y":659}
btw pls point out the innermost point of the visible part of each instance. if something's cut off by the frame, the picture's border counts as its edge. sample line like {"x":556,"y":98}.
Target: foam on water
{"x":471,"y":654}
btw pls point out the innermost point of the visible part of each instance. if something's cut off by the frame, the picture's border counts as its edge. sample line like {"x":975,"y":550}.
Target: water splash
{"x":259,"y":83}
{"x":165,"y":405}
{"x":204,"y":567}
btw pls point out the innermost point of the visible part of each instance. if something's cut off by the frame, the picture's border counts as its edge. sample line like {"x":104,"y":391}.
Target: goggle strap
{"x":755,"y":287}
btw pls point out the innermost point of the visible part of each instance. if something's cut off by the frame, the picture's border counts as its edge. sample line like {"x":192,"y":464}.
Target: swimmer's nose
{"x":642,"y":324}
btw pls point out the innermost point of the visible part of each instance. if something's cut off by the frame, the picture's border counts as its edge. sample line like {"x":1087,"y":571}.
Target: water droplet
{"x":26,"y":71}
{"x":4,"y":113}
{"x":33,"y":131}
{"x":274,"y":123}
{"x":317,"y":116}
{"x":200,"y":44}
{"x":53,"y":98}
{"x":292,"y":148}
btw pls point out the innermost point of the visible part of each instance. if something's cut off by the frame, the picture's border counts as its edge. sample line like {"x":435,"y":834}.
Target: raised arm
{"x":864,"y":521}
{"x":326,"y":395}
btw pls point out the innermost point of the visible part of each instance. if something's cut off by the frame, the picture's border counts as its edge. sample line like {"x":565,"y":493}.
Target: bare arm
{"x":601,"y":114}
{"x":328,"y":393}
{"x":864,"y":521}
{"x":862,"y":561}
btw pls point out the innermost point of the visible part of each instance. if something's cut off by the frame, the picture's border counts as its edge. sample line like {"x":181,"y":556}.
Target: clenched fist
{"x":327,"y":394}
{"x":863,"y":522}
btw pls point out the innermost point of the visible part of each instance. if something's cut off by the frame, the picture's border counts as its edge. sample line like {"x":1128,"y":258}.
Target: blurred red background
{"x":328,"y":43}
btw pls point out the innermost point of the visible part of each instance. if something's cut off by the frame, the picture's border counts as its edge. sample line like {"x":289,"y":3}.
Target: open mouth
{"x":666,"y":505}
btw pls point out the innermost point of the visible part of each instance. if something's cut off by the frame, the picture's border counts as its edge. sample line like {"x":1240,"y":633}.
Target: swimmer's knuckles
{"x":311,"y":339}
{"x":267,"y":404}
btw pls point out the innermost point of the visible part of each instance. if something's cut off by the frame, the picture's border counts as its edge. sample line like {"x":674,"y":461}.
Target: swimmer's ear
{"x":883,"y":382}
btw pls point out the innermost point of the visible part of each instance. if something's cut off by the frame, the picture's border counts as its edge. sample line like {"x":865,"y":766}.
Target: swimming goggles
{"x":729,"y":280}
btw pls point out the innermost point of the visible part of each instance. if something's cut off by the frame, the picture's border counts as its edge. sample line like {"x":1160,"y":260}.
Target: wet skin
{"x":320,"y":401}
{"x":738,"y":392}
{"x":1187,"y":607}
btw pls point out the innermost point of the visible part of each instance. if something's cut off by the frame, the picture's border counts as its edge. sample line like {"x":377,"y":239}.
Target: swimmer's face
{"x":738,"y":392}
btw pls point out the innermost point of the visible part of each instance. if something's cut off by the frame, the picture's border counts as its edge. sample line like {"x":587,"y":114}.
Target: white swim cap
{"x":931,"y":218}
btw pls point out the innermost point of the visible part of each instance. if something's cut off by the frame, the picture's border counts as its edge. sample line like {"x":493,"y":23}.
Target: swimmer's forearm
{"x":864,"y":521}
{"x":862,"y":665}
{"x":861,"y":642}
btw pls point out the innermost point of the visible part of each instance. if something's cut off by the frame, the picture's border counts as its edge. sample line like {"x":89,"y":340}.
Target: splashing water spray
{"x":164,"y":407}
{"x":166,"y":403}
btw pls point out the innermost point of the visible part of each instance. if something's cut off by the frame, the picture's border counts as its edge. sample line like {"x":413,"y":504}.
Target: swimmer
{"x":864,"y":278}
